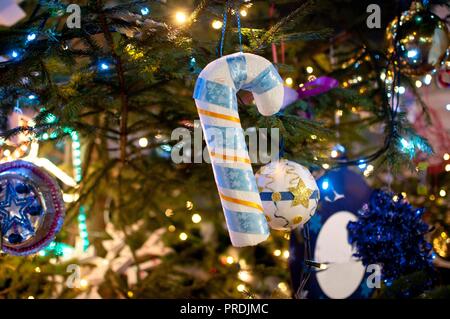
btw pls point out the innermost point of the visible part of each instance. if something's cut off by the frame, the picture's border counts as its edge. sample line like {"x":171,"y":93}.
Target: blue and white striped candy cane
{"x":215,"y":97}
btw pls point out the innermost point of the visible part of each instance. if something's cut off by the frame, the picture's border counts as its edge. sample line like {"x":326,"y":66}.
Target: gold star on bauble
{"x":301,"y":194}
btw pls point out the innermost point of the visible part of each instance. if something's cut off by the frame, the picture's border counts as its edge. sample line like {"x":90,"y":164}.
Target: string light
{"x":171,"y":228}
{"x":196,"y":218}
{"x":104,"y":66}
{"x":168,"y":212}
{"x":37,"y":269}
{"x":286,"y":254}
{"x":282,"y":286}
{"x":31,"y":37}
{"x":130,"y":294}
{"x":145,"y":11}
{"x":189,"y":205}
{"x":241,"y":288}
{"x":183,"y":236}
{"x":442,"y":193}
{"x":289,"y":81}
{"x":427,"y":79}
{"x":244,"y":275}
{"x":230,"y":260}
{"x":277,"y":252}
{"x":334,"y":153}
{"x":84,"y":283}
{"x":313,"y":137}
{"x":217,"y":24}
{"x":143,"y":142}
{"x":243,"y":12}
{"x":14,"y":54}
{"x":180,"y":17}
{"x":309,"y":69}
{"x":30,"y":297}
{"x":326,"y":166}
{"x":418,"y":83}
{"x":447,"y":168}
{"x":446,"y":157}
{"x":83,"y":228}
{"x":432,"y":197}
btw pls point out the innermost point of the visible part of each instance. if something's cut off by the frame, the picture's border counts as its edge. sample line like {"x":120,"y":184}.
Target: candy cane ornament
{"x":215,"y":97}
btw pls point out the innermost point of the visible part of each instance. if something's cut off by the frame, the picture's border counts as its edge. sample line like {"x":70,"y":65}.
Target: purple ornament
{"x":318,"y":86}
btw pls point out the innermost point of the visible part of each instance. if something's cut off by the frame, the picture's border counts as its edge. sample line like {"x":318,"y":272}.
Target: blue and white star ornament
{"x":31,"y":208}
{"x":289,"y":194}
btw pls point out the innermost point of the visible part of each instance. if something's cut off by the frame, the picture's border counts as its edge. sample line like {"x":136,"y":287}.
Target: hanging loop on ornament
{"x":228,"y":6}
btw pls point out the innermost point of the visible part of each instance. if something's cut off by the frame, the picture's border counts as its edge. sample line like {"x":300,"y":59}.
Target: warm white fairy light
{"x":418,"y":83}
{"x":282,"y":286}
{"x":196,"y":218}
{"x":309,"y":69}
{"x":180,"y":17}
{"x":442,"y":193}
{"x":217,"y":24}
{"x":244,"y":275}
{"x":446,"y":156}
{"x":243,"y":12}
{"x":286,"y":254}
{"x":230,"y":260}
{"x":241,"y":288}
{"x":447,"y":168}
{"x":183,"y":236}
{"x":143,"y":142}
{"x":277,"y":252}
{"x":289,"y":81}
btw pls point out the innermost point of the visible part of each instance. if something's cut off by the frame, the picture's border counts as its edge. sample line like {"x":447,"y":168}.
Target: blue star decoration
{"x":17,"y":205}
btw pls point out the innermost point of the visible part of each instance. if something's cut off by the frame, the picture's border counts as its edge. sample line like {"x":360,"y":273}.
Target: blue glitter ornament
{"x":31,"y":208}
{"x":390,"y":232}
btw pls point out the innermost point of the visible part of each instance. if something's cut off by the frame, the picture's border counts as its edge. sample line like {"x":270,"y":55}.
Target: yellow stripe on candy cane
{"x":241,"y":202}
{"x":219,"y":116}
{"x":230,"y":158}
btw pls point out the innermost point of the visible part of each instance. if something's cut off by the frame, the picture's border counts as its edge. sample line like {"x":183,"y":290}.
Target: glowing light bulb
{"x":325,"y":185}
{"x":326,"y":166}
{"x":230,"y":260}
{"x":241,"y":288}
{"x":309,"y":69}
{"x":31,"y":37}
{"x":447,"y":107}
{"x":145,"y":11}
{"x":427,"y":79}
{"x":446,"y":156}
{"x":183,"y":236}
{"x":143,"y":142}
{"x":286,"y":254}
{"x":243,"y":13}
{"x":447,"y":168}
{"x":442,"y":193}
{"x":217,"y":24}
{"x":180,"y":17}
{"x":83,"y":283}
{"x":171,"y":228}
{"x":277,"y":252}
{"x":130,"y":294}
{"x":418,"y":84}
{"x":196,"y":218}
{"x":244,"y":275}
{"x":282,"y":286}
{"x":289,"y":81}
{"x":334,"y":153}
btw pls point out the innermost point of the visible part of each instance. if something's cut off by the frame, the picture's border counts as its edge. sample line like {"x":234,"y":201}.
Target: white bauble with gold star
{"x":289,"y":194}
